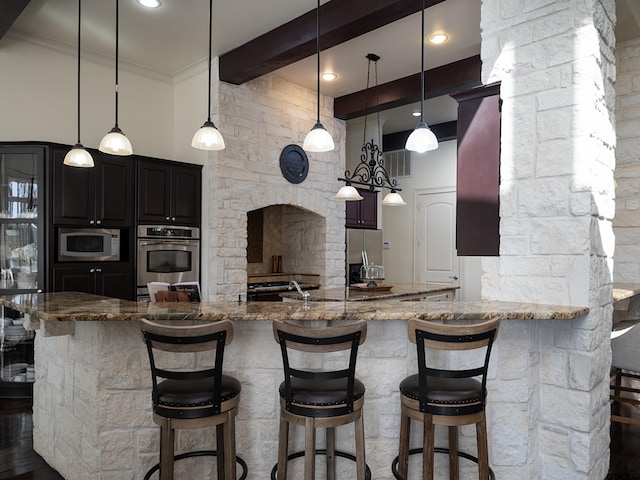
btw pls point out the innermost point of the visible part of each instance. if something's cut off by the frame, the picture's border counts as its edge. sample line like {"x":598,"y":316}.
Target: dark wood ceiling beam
{"x":10,"y":10}
{"x":340,"y":21}
{"x":438,"y":81}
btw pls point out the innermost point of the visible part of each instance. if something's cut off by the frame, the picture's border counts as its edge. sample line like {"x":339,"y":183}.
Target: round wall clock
{"x":294,"y":163}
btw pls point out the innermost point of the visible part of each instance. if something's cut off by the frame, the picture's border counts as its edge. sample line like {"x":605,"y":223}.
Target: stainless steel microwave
{"x":89,"y":244}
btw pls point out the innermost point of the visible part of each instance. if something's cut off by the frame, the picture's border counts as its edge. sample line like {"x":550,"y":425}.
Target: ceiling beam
{"x":10,"y":10}
{"x":438,"y":81}
{"x":340,"y":21}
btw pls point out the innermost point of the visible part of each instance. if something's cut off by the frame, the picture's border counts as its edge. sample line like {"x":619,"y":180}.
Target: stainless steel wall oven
{"x":167,"y":254}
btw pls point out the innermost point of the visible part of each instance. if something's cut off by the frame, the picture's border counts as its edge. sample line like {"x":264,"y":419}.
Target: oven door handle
{"x":146,"y":243}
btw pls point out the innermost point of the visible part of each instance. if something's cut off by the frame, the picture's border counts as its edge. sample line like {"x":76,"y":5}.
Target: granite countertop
{"x":622,"y":291}
{"x":74,"y":306}
{"x":355,"y":294}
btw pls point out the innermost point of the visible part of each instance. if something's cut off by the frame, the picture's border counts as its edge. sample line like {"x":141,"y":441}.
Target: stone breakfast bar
{"x":92,"y":407}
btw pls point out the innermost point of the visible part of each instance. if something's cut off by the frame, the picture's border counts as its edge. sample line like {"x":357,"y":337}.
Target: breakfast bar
{"x":92,"y":407}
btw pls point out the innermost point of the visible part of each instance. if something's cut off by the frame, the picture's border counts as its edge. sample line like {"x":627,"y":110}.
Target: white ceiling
{"x":169,"y":40}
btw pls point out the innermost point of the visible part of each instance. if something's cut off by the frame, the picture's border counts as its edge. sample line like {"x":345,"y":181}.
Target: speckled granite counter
{"x":71,"y":306}
{"x":92,"y":416}
{"x":354,"y":294}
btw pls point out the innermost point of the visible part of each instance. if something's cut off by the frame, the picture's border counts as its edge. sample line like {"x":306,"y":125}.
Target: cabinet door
{"x":153,"y":192}
{"x":186,"y":191}
{"x":478,"y":174}
{"x":369,"y":209}
{"x":115,"y":280}
{"x":74,"y":279}
{"x":114,"y":190}
{"x":73,"y":193}
{"x":362,"y":213}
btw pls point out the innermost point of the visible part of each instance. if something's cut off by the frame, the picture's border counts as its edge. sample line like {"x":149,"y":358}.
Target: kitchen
{"x":246,"y":177}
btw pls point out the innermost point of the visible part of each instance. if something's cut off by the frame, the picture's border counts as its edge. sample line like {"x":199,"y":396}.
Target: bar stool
{"x":320,"y":398}
{"x":193,"y":398}
{"x":442,"y":396}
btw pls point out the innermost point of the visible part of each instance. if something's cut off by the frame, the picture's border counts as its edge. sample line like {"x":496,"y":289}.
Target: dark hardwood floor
{"x":18,"y":461}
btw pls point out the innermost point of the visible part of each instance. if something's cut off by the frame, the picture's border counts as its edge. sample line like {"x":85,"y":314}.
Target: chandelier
{"x":370,"y":171}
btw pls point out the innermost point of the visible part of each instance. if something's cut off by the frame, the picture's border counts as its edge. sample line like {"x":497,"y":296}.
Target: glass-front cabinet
{"x":21,"y":259}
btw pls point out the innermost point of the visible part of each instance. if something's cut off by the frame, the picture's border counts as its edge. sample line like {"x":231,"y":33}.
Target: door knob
{"x":454,"y":277}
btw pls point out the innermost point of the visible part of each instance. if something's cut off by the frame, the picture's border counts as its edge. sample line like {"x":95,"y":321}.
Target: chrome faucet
{"x":305,"y":295}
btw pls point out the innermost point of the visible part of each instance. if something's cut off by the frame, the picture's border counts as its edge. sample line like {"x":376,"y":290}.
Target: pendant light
{"x":318,"y":139}
{"x":78,"y":156}
{"x":115,"y":142}
{"x":370,"y":171}
{"x":422,"y":138}
{"x":208,"y":137}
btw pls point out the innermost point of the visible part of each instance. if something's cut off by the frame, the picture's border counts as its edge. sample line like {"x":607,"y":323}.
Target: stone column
{"x":549,"y":407}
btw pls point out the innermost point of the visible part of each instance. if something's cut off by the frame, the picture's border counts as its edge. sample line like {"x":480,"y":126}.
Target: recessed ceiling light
{"x":438,"y":38}
{"x":150,"y":3}
{"x":415,"y":114}
{"x":329,"y":76}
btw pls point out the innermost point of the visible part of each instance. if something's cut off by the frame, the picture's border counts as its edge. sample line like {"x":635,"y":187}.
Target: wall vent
{"x":398,"y":163}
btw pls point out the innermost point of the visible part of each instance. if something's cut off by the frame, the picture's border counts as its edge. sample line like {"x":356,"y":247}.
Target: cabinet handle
{"x":92,"y":270}
{"x":167,"y":218}
{"x":99,"y":222}
{"x":173,"y":219}
{"x":98,"y":269}
{"x":91,"y":222}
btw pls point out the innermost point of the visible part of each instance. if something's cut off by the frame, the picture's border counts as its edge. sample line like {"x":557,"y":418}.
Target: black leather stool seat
{"x":444,"y":391}
{"x":323,"y":393}
{"x":195,"y":393}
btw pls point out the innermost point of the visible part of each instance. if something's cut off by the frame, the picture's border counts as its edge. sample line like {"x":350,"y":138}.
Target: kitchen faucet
{"x":305,"y":295}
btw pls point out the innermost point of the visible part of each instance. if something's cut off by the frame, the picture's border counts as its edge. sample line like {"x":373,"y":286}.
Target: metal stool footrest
{"x":199,"y":453}
{"x":396,"y":474}
{"x":323,"y":451}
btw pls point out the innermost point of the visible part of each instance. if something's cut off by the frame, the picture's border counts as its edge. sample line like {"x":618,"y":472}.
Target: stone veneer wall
{"x":549,"y":406}
{"x":626,"y":224}
{"x":258,"y":119}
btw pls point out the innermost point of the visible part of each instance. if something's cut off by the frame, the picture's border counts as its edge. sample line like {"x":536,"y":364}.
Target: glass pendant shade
{"x":78,"y":156}
{"x":422,"y":139}
{"x":348,"y":193}
{"x":208,"y":138}
{"x":115,"y":143}
{"x":318,"y":140}
{"x":393,"y":199}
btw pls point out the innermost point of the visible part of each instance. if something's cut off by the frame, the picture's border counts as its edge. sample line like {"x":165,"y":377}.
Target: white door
{"x":435,"y":250}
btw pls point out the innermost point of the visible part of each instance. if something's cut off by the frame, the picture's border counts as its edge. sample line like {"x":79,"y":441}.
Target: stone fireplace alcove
{"x":297,"y":235}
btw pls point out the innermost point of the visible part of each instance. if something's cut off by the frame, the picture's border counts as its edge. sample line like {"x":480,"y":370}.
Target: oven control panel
{"x":163,"y":231}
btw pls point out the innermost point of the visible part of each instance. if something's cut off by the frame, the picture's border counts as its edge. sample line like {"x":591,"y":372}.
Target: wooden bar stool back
{"x":320,"y":397}
{"x":446,"y":396}
{"x":194,"y":397}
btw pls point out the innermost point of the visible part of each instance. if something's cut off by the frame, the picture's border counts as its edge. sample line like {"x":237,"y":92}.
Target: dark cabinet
{"x":108,"y":279}
{"x":100,"y":196}
{"x":363,"y":213}
{"x":478,"y":174}
{"x":169,"y":192}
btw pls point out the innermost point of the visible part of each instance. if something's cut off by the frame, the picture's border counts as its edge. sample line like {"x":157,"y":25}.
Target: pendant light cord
{"x":209,"y":84}
{"x":318,"y":56}
{"x":79,"y":16}
{"x":117,"y":49}
{"x":422,"y":68}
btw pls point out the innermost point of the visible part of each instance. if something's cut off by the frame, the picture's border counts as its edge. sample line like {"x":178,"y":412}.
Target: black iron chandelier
{"x":370,"y":171}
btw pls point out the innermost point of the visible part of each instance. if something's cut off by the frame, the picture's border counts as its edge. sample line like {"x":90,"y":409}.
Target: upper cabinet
{"x":478,"y":177}
{"x":362,"y":213}
{"x":21,"y":218}
{"x":169,"y":192}
{"x":101,"y":196}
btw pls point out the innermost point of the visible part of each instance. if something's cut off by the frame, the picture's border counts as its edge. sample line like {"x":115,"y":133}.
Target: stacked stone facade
{"x":626,"y":223}
{"x":549,"y":411}
{"x":260,"y":118}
